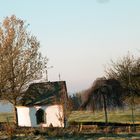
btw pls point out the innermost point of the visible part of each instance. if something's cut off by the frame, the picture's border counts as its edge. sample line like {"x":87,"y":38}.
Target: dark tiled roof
{"x":45,"y":93}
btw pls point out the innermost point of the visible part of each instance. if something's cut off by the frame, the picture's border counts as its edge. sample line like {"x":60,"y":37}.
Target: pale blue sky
{"x":80,"y":37}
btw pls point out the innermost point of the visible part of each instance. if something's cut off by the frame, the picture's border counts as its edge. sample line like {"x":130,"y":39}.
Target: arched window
{"x":40,"y":116}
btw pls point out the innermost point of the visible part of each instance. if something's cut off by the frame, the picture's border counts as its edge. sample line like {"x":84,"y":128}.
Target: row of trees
{"x":20,"y":59}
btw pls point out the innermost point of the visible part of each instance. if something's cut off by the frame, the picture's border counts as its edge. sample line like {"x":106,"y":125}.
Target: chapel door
{"x":40,"y":116}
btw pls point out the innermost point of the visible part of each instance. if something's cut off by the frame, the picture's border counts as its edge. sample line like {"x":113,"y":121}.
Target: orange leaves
{"x":20,"y":61}
{"x":6,"y":22}
{"x":1,"y":32}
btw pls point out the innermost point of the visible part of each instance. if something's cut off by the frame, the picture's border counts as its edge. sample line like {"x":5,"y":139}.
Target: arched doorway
{"x":40,"y":116}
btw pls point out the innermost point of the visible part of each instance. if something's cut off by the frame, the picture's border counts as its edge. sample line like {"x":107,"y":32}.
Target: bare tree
{"x":104,"y":94}
{"x":20,"y":60}
{"x":127,"y":71}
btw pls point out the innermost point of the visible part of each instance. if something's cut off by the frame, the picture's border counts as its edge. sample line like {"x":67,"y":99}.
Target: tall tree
{"x":104,"y":94}
{"x":127,"y":71}
{"x":20,"y":59}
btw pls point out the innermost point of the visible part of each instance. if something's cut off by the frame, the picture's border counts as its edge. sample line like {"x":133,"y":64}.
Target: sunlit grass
{"x":118,"y":116}
{"x":6,"y":117}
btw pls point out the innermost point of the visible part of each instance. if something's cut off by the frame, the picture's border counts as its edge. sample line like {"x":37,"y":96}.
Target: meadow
{"x":6,"y":117}
{"x":116,"y":116}
{"x":78,"y":117}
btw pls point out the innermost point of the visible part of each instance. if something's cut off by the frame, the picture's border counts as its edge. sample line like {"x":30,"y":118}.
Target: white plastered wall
{"x":27,"y":117}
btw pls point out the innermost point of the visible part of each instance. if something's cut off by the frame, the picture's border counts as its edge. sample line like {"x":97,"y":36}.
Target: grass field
{"x":6,"y":117}
{"x":118,"y":116}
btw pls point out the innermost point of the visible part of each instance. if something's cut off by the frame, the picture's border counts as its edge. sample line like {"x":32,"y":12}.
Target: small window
{"x":40,"y":116}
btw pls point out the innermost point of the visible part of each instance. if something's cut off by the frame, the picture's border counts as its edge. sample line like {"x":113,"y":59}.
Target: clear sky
{"x":80,"y":37}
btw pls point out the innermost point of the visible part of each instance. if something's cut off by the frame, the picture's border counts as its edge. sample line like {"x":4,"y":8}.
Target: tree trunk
{"x":15,"y":116}
{"x":105,"y":108}
{"x":132,"y":115}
